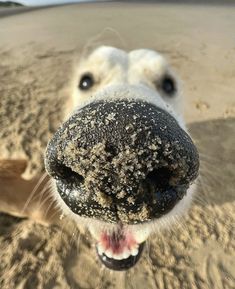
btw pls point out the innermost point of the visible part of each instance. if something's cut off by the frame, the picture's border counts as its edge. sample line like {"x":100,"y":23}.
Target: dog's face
{"x":123,"y":162}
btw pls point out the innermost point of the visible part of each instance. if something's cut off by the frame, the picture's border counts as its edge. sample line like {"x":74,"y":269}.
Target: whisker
{"x":204,"y":187}
{"x":48,"y":189}
{"x":46,"y":198}
{"x":57,"y":209}
{"x":206,"y":173}
{"x":208,"y":157}
{"x":40,"y":181}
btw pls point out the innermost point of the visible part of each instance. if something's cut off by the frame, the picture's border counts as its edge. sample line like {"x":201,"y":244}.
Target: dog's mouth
{"x":119,"y":250}
{"x":121,"y":264}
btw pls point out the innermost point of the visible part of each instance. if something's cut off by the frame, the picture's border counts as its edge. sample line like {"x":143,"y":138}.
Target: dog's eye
{"x":86,"y":82}
{"x":168,"y":85}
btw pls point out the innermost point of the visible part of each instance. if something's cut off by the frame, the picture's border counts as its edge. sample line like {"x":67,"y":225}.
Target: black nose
{"x":122,"y":161}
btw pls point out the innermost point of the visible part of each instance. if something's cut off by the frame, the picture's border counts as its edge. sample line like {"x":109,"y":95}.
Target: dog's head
{"x":123,"y":161}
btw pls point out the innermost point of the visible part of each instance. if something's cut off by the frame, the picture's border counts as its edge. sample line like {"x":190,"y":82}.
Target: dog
{"x":123,"y":164}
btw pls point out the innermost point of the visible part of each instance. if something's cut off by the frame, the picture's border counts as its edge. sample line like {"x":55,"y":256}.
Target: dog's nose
{"x":122,"y":161}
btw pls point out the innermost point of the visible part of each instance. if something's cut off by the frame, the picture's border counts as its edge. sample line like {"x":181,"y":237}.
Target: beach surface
{"x":38,"y":51}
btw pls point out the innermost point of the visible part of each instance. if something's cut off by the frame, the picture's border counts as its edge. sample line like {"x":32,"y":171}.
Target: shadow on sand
{"x":216,"y":143}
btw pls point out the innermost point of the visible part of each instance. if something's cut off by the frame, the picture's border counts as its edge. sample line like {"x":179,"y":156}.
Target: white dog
{"x":123,"y":164}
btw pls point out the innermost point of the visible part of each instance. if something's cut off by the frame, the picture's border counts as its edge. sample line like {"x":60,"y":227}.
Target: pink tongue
{"x":117,"y":241}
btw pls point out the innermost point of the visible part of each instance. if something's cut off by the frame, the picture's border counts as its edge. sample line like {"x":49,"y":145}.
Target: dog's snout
{"x":122,"y":160}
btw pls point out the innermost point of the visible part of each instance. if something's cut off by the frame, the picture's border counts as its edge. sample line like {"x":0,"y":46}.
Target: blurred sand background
{"x":38,"y":50}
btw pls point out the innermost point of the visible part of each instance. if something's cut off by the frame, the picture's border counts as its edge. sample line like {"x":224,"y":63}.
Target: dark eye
{"x":86,"y":82}
{"x":168,"y":85}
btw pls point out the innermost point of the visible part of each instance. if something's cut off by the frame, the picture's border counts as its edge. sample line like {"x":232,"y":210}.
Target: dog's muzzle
{"x":122,"y":161}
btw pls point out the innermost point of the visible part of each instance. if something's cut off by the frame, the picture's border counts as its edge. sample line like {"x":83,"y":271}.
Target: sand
{"x":37,"y":52}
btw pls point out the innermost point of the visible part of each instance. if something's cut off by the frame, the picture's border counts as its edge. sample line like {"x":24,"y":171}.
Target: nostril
{"x":60,"y":171}
{"x":164,"y":195}
{"x":69,"y":174}
{"x":159,"y":178}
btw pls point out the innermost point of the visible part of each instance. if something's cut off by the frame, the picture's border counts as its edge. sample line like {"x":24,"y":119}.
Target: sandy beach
{"x":38,"y":51}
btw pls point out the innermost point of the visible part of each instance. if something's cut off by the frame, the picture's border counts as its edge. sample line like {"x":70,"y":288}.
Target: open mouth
{"x":119,"y":250}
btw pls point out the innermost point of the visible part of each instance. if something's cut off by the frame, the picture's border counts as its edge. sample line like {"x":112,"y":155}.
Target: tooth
{"x":109,"y":253}
{"x":100,"y":248}
{"x":126,"y":254}
{"x":117,"y":256}
{"x":134,"y":251}
{"x":135,"y":246}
